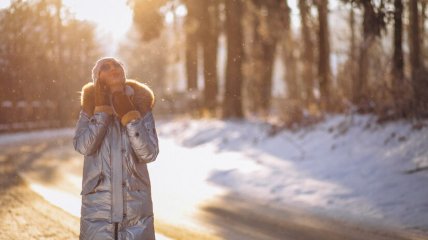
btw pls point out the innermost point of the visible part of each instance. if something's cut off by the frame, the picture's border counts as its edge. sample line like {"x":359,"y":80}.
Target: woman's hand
{"x":117,"y":88}
{"x":101,"y":94}
{"x":122,"y":104}
{"x":124,"y":108}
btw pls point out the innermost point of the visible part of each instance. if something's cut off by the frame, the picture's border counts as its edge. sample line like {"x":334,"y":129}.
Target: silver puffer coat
{"x":116,"y":185}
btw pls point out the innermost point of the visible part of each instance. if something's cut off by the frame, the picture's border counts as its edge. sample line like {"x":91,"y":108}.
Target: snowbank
{"x":346,"y":167}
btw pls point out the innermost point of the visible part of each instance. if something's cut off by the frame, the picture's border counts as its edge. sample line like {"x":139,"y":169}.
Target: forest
{"x":220,"y":59}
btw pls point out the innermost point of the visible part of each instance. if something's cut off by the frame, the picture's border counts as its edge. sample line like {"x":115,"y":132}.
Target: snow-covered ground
{"x":345,"y":167}
{"x":348,"y":167}
{"x":11,"y":138}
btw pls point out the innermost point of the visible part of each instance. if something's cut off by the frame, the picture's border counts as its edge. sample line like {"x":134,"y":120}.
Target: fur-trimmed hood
{"x":141,"y":95}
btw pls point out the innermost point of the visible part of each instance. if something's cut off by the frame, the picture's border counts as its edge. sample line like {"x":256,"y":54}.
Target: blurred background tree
{"x":294,"y":61}
{"x":260,"y":32}
{"x":45,"y":57}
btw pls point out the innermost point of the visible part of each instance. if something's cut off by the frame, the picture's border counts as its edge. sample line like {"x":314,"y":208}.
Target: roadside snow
{"x":346,"y":167}
{"x":10,"y":138}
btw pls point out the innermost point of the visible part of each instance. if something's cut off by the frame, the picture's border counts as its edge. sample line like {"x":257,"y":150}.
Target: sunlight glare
{"x":64,"y":200}
{"x":4,"y":4}
{"x":181,"y":10}
{"x":169,"y":17}
{"x":111,"y":16}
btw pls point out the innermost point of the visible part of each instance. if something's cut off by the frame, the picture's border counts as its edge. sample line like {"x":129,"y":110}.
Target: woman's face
{"x":112,"y":73}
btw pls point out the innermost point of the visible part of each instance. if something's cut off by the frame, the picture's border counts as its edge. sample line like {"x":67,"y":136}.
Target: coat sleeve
{"x":90,"y":132}
{"x":143,"y":137}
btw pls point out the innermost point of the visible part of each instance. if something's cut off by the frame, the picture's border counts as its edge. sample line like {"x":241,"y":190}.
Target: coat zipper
{"x":117,"y":176}
{"x":122,"y":137}
{"x":115,"y":231}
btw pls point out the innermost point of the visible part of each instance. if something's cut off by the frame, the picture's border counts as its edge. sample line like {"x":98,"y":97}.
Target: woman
{"x":117,"y":136}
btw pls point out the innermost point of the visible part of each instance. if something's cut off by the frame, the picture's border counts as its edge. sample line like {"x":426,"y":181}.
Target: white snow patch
{"x":10,"y":138}
{"x":347,"y":167}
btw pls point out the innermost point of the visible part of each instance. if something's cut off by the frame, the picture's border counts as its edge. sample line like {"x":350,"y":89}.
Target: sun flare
{"x":111,"y":16}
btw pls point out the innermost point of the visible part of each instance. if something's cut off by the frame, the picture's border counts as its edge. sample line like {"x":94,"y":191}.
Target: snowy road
{"x":196,"y":189}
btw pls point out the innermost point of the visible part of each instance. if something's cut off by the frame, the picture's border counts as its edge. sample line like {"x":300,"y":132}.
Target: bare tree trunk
{"x":210,"y":44}
{"x":308,"y":53}
{"x":192,"y":41}
{"x":353,"y":53}
{"x":415,"y":57}
{"x":266,"y":86}
{"x":290,"y":59}
{"x":359,"y":87}
{"x":62,"y":98}
{"x":419,"y":79}
{"x":324,"y":55}
{"x":191,"y":62}
{"x":264,"y":19}
{"x":232,"y":105}
{"x":422,"y":20}
{"x":290,"y":62}
{"x":398,"y":60}
{"x":252,"y":61}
